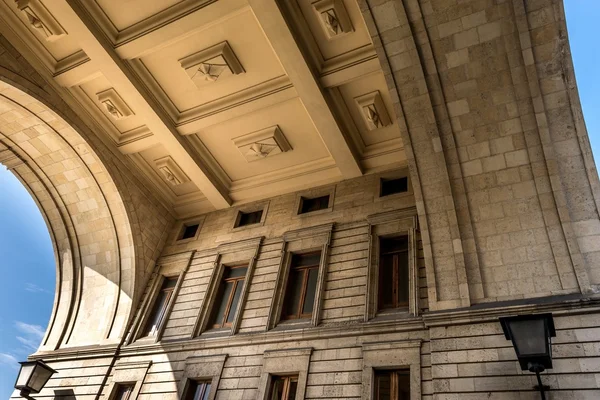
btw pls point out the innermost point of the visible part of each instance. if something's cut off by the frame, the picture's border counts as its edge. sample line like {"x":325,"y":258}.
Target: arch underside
{"x":102,"y":256}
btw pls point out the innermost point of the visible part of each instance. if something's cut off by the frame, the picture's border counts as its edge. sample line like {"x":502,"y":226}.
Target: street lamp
{"x":32,"y":377}
{"x":530,"y":336}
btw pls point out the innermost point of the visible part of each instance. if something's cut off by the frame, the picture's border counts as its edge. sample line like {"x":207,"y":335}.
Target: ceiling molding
{"x":282,"y":40}
{"x":78,"y":22}
{"x":248,"y":99}
{"x":286,"y":180}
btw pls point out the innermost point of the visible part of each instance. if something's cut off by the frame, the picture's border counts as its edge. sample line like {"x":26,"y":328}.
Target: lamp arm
{"x":26,"y":395}
{"x":540,"y":386}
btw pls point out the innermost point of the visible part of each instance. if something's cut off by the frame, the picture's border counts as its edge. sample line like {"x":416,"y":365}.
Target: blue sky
{"x":28,"y":270}
{"x":26,"y":255}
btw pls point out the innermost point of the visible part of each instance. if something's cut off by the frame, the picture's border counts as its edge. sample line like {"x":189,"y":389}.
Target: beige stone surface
{"x":484,"y":122}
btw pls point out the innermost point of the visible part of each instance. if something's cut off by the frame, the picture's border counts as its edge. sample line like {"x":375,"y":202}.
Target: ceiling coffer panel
{"x":41,"y":19}
{"x":214,"y":63}
{"x":334,"y":17}
{"x":373,"y":110}
{"x":170,"y":171}
{"x":114,"y":104}
{"x":261,"y":144}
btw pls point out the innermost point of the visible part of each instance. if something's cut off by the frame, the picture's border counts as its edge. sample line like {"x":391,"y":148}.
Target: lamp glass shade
{"x":24,"y":375}
{"x":33,"y":376}
{"x":529,"y":337}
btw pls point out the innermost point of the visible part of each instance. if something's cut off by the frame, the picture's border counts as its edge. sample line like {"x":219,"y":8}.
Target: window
{"x":189,"y":231}
{"x":393,"y":186}
{"x":159,"y":307}
{"x":228,"y":297}
{"x":313,"y":204}
{"x":301,"y":287}
{"x":197,"y":390}
{"x":123,"y":391}
{"x":393,"y":273}
{"x":248,"y":218}
{"x":283,"y":388}
{"x":392,"y":385}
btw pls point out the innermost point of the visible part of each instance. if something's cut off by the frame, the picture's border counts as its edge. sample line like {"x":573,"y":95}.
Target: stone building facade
{"x":232,"y":186}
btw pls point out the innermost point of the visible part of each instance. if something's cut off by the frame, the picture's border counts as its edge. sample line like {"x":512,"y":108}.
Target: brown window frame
{"x":287,"y":381}
{"x":396,"y":304}
{"x":305,"y":274}
{"x":192,"y":387}
{"x":126,"y":395}
{"x":236,"y":281}
{"x":163,"y":310}
{"x":394,"y":383}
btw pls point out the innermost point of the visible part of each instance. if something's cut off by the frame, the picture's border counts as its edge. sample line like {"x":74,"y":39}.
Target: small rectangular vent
{"x":248,"y":218}
{"x":308,"y":205}
{"x":189,"y":231}
{"x":393,"y":186}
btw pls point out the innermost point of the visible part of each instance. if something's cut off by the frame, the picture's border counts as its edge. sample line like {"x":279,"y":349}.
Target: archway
{"x":103,"y":254}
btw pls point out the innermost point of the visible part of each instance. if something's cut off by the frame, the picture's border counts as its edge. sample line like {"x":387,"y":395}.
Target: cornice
{"x":557,"y":305}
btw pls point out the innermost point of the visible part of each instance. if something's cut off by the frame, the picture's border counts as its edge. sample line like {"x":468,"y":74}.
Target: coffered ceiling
{"x":219,"y":102}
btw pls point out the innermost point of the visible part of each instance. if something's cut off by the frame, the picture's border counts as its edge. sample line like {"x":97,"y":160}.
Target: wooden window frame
{"x":287,"y":380}
{"x":284,"y":363}
{"x":399,"y":355}
{"x":162,"y":313}
{"x":128,"y":373}
{"x":202,"y":368}
{"x":393,"y":380}
{"x":305,"y":274}
{"x":396,"y":305}
{"x":394,"y":223}
{"x":174,"y":266}
{"x":197,"y":382}
{"x":119,"y":386}
{"x":233,"y":253}
{"x":236,"y":281}
{"x":301,"y":241}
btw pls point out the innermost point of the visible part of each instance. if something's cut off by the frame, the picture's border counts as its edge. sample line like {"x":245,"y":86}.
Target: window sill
{"x":388,"y":315}
{"x":215,"y":333}
{"x":293,"y":324}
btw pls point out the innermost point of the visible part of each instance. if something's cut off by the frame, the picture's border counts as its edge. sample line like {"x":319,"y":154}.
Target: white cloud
{"x":7,"y":359}
{"x":31,"y":344}
{"x":33,"y":288}
{"x":31,"y":331}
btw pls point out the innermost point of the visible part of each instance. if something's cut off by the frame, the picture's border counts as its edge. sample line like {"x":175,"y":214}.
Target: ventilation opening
{"x":189,"y":231}
{"x":393,"y":186}
{"x":308,"y":205}
{"x":248,"y":218}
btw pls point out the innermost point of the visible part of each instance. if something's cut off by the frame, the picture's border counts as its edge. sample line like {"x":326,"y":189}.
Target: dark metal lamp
{"x":32,"y":377}
{"x":531,"y":337}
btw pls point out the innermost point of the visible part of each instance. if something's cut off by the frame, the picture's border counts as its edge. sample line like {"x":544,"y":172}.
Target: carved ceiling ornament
{"x":114,"y":104}
{"x":373,"y":110}
{"x":261,"y":144}
{"x":171,"y":172}
{"x":211,"y":64}
{"x":41,"y":19}
{"x":334,"y":17}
